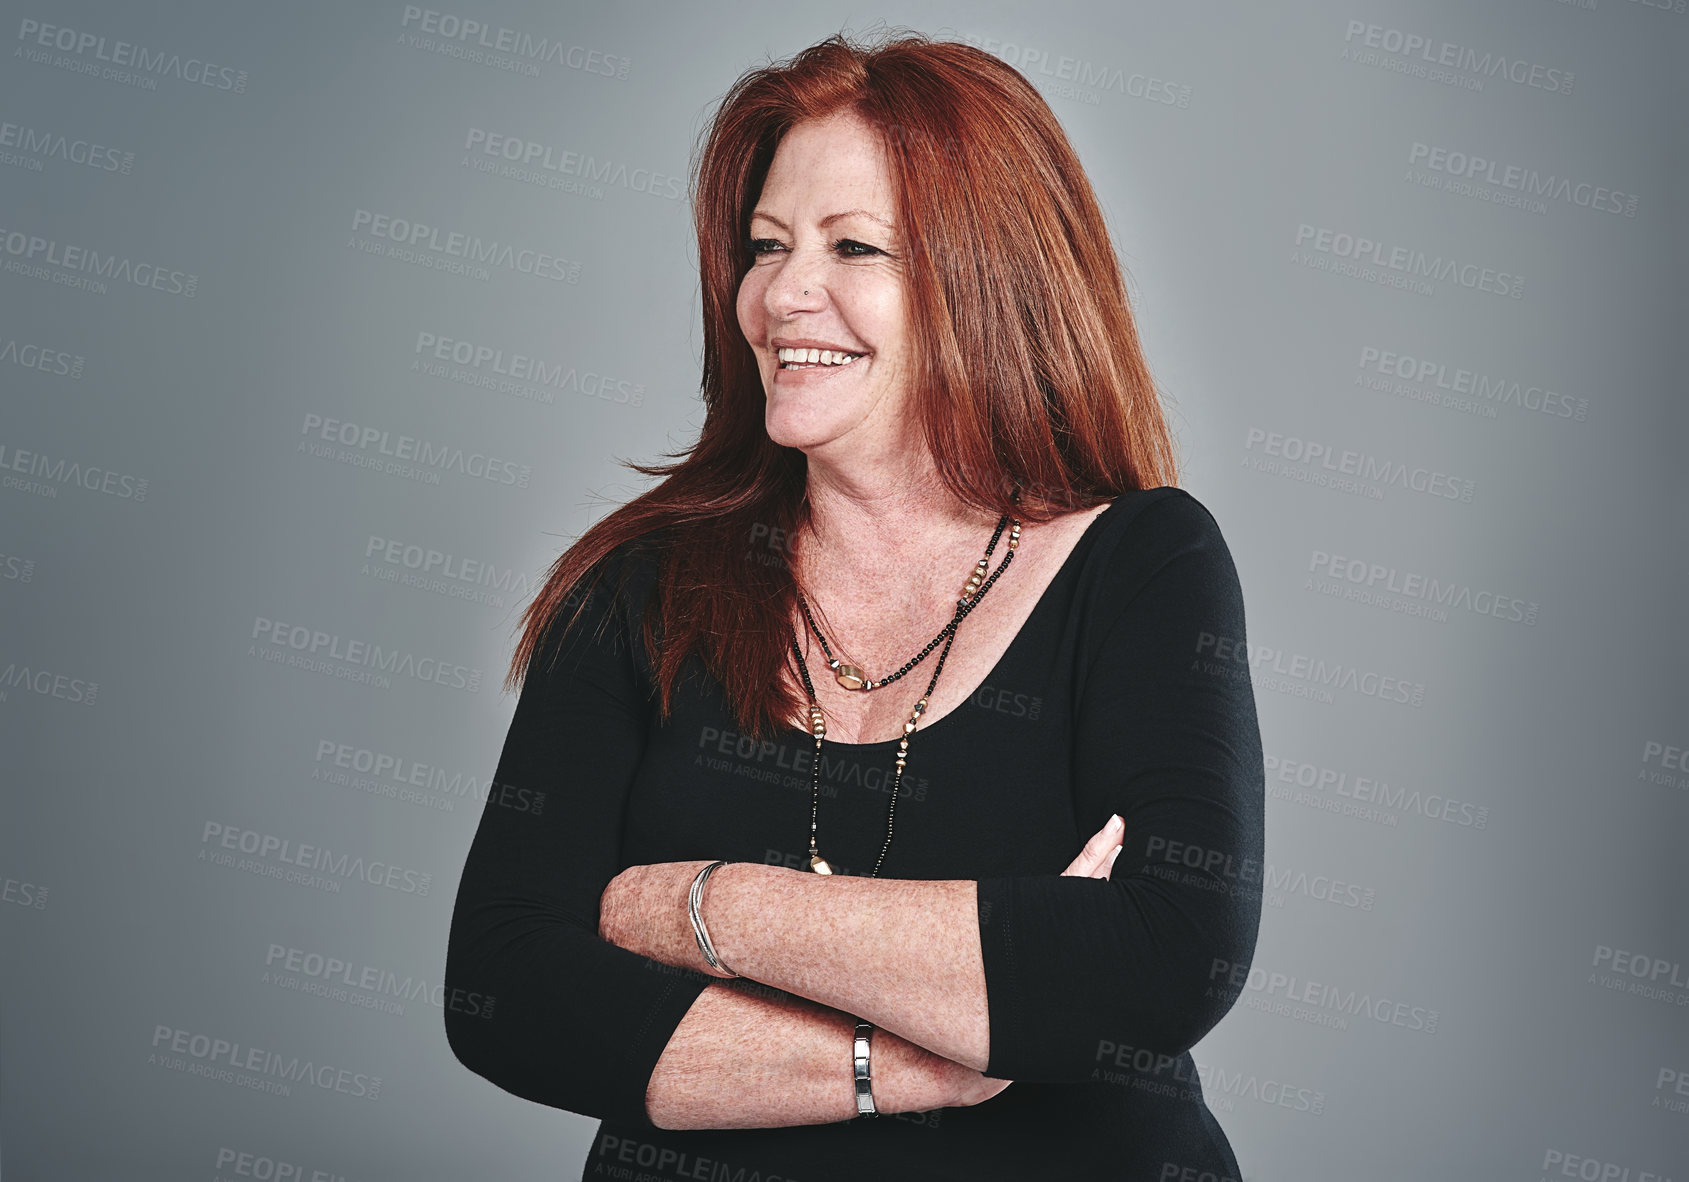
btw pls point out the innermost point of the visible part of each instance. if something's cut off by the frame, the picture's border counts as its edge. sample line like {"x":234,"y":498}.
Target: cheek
{"x":749,"y":305}
{"x":873,"y":303}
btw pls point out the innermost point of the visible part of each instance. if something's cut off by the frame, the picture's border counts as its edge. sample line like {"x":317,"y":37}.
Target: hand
{"x":643,"y":909}
{"x":1096,"y":860}
{"x":972,"y":1087}
{"x":910,"y":1078}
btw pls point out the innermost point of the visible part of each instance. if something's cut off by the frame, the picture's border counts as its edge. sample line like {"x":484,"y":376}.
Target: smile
{"x":805,"y":358}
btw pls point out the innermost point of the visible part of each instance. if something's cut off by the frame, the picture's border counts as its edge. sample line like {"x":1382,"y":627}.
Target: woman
{"x":763,"y":849}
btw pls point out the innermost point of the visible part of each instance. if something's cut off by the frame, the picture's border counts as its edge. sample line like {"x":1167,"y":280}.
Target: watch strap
{"x":864,"y":1088}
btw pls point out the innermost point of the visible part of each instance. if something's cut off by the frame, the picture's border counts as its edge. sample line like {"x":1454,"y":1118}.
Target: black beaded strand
{"x":972,"y":594}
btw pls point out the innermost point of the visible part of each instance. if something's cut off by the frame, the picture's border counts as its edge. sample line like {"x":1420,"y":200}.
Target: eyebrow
{"x":826,"y":221}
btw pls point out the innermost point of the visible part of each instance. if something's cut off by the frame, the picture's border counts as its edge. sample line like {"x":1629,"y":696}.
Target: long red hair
{"x":1031,"y":371}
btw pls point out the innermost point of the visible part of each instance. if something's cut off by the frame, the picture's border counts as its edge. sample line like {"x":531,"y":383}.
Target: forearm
{"x":748,"y":1057}
{"x":903,"y":954}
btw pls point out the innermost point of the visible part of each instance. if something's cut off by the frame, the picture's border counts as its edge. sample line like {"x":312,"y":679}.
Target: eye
{"x":848,"y":247}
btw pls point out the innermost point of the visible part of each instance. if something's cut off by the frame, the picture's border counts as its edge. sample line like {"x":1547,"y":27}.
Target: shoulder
{"x":637,"y":560}
{"x":629,"y":575}
{"x":630,"y":569}
{"x":609,"y":594}
{"x":1150,"y":521}
{"x":1155,"y":536}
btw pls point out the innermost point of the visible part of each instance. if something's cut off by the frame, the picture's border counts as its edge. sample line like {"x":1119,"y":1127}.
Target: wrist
{"x":721,"y":908}
{"x":907,"y":1077}
{"x":702,"y":904}
{"x":861,"y":1074}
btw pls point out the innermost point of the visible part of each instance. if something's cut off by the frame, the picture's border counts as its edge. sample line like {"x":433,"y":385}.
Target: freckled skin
{"x":906,"y":952}
{"x":872,"y":482}
{"x":855,"y":290}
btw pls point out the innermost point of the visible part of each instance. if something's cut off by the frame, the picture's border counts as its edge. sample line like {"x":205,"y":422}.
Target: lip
{"x":777,"y":343}
{"x":820,"y":373}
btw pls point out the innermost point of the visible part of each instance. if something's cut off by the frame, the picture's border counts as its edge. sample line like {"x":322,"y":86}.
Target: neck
{"x":865,"y":520}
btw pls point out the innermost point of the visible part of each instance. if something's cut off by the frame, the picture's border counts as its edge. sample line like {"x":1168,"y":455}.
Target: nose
{"x":796,"y":286}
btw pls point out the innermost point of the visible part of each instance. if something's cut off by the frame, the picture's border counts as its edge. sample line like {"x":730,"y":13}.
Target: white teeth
{"x":790,"y":356}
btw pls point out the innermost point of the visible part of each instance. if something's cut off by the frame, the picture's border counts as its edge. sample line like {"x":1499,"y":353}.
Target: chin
{"x":793,"y":428}
{"x":789,"y":434}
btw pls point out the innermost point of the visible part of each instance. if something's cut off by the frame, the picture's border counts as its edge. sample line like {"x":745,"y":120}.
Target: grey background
{"x":1546,"y":1055}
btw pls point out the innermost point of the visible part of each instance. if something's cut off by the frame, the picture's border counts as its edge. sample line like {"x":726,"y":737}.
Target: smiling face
{"x":827,"y":274}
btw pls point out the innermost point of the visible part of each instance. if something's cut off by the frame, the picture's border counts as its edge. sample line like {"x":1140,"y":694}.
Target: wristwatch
{"x":864,"y":1092}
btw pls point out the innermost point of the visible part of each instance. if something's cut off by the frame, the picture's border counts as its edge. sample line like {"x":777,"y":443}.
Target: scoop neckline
{"x":1043,"y":600}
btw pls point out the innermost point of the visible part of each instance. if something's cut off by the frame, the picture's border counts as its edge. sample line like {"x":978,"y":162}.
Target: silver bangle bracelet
{"x":693,"y":899}
{"x":864,"y":1084}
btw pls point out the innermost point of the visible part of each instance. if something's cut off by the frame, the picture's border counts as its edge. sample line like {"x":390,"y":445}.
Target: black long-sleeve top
{"x":1125,"y":691}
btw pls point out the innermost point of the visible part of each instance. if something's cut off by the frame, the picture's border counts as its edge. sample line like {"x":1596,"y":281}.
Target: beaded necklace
{"x":852,"y":678}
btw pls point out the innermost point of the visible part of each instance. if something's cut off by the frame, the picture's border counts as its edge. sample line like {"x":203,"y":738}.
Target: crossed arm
{"x":582,"y":1023}
{"x":902,"y":954}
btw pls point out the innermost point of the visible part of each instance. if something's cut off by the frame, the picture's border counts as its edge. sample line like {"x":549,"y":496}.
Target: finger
{"x":1097,"y":850}
{"x":1081,"y":866}
{"x":1091,"y":857}
{"x":1108,"y":867}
